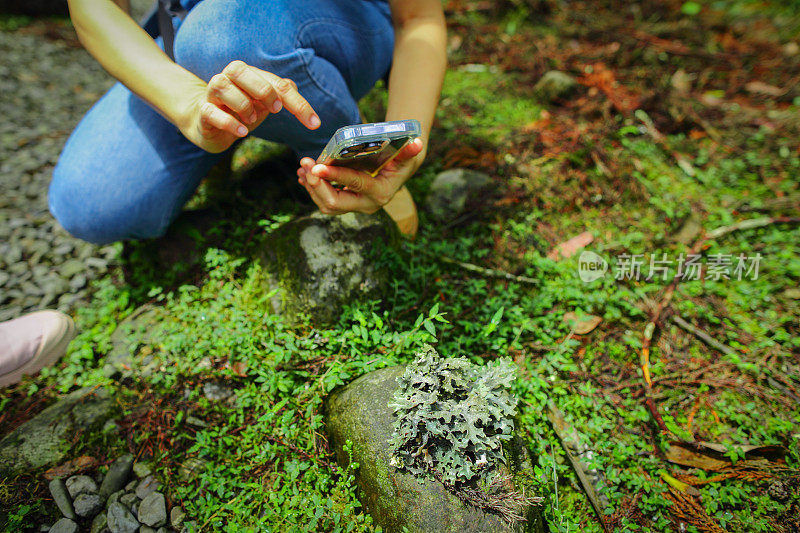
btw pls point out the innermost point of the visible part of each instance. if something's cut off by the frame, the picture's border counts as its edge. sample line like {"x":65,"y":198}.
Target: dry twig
{"x":488,"y":272}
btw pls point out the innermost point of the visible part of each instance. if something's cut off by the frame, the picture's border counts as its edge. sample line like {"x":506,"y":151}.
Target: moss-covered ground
{"x":685,"y":120}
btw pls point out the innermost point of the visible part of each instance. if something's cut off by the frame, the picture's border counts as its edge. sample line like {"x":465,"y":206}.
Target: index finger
{"x":292,"y":101}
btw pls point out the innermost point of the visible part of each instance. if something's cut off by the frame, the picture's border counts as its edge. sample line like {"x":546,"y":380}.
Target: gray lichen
{"x":452,"y":417}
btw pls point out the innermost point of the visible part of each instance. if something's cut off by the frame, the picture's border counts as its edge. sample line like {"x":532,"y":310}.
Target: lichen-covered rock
{"x":320,"y":262}
{"x":45,"y":439}
{"x":395,"y":499}
{"x":453,"y":190}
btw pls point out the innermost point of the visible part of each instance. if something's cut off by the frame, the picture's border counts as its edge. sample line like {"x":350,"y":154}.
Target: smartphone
{"x":368,"y":147}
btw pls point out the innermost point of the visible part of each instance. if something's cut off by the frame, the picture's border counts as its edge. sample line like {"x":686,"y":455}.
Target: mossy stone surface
{"x":319,"y":263}
{"x":45,"y":439}
{"x":359,"y":412}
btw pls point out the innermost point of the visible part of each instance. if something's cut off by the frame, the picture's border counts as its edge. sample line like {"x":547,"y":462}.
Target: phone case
{"x":368,"y":147}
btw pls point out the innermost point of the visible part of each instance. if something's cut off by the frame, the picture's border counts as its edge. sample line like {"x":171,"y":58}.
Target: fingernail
{"x":277,"y":105}
{"x":253,"y":117}
{"x":241,"y":130}
{"x":318,"y":169}
{"x":312,"y":179}
{"x":314,"y":121}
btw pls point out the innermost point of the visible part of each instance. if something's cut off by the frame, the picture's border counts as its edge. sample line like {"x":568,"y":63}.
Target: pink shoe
{"x":31,"y":342}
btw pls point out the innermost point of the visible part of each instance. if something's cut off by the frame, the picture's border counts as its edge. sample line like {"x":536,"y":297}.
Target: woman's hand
{"x":236,"y":101}
{"x":362,"y":192}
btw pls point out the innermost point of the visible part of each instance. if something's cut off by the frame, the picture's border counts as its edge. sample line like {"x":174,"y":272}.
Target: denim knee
{"x":90,"y":215}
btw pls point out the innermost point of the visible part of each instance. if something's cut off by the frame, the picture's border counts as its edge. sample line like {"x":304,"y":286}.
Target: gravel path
{"x":46,"y":87}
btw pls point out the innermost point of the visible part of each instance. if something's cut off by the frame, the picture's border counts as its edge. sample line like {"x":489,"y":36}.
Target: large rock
{"x":453,"y":190}
{"x":46,"y":439}
{"x":319,"y":263}
{"x":359,"y":412}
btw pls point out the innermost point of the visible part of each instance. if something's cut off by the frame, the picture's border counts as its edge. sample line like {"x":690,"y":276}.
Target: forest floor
{"x":677,"y":392}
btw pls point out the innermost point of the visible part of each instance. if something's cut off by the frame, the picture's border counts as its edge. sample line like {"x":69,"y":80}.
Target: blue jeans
{"x":126,"y":172}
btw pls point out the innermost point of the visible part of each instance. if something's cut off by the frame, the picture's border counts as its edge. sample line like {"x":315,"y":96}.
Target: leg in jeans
{"x":126,"y":172}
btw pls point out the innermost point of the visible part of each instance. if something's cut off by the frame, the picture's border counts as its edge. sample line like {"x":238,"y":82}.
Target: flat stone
{"x":88,"y":505}
{"x":120,"y":520}
{"x":117,"y":475}
{"x":81,"y":485}
{"x":153,"y":510}
{"x":147,"y":486}
{"x":65,"y":525}
{"x":131,"y":486}
{"x":46,"y":439}
{"x":61,"y":497}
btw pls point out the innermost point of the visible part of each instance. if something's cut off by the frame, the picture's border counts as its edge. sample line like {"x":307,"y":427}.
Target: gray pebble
{"x":62,"y":249}
{"x":117,"y":475}
{"x":65,"y":525}
{"x":131,"y":486}
{"x":81,"y":485}
{"x":114,"y":498}
{"x":176,"y":516}
{"x":120,"y":520}
{"x":153,"y":510}
{"x":97,"y":263}
{"x":88,"y":505}
{"x":78,"y":282}
{"x":147,"y":486}
{"x":71,"y":267}
{"x":128,"y":499}
{"x":61,"y":496}
{"x":146,"y":529}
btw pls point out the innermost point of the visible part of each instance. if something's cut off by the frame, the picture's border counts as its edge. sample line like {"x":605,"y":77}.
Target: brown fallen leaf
{"x":570,"y":247}
{"x":582,"y":324}
{"x":711,"y":456}
{"x":79,"y":464}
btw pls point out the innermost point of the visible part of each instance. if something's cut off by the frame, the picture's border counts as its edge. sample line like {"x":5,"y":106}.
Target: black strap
{"x":166,"y":9}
